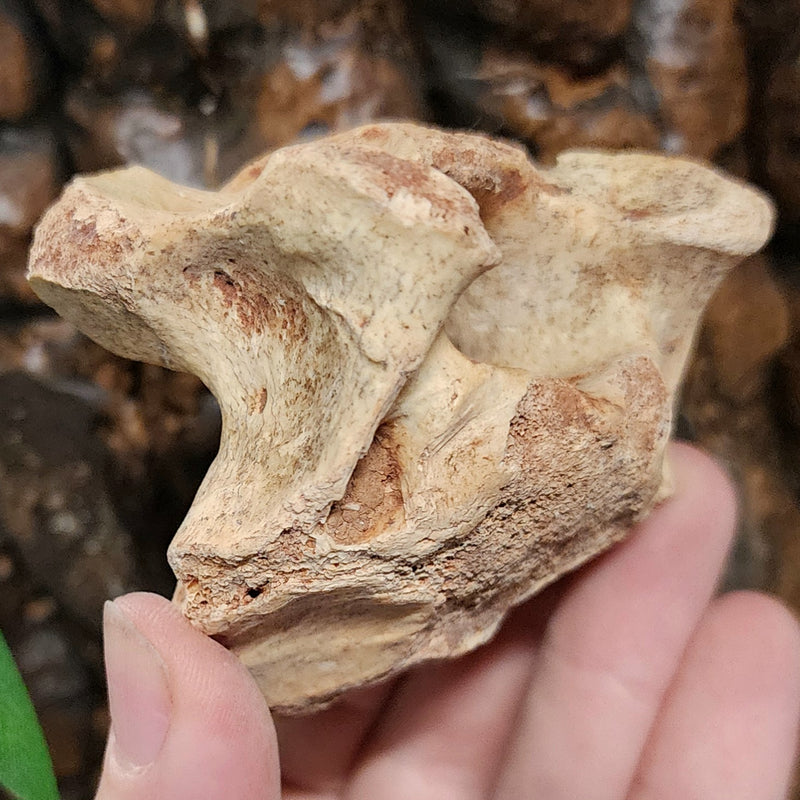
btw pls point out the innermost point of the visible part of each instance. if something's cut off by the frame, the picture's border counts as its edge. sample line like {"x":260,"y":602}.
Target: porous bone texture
{"x":446,"y":375}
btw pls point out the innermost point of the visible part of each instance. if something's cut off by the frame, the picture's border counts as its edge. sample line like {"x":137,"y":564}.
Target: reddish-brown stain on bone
{"x":373,"y":500}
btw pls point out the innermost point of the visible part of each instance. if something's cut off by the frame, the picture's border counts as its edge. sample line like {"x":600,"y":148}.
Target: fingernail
{"x":138,"y":691}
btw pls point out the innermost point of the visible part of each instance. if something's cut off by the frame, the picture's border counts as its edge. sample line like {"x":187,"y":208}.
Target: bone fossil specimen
{"x":446,"y":375}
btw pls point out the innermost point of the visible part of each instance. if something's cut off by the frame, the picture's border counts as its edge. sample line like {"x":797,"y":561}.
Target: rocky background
{"x":99,"y":457}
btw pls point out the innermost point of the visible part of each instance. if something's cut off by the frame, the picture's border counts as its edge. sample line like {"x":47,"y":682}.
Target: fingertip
{"x":733,"y":708}
{"x":197,"y":657}
{"x":220,"y":740}
{"x":772,"y":636}
{"x":145,"y":603}
{"x":153,"y":613}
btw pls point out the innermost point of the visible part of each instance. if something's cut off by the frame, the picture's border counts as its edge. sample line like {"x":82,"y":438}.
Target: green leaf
{"x":25,"y":767}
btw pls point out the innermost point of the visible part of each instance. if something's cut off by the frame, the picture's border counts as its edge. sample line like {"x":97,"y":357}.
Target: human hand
{"x":626,"y":681}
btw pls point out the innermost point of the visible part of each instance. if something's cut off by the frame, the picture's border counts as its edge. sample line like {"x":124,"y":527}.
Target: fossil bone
{"x":446,"y":376}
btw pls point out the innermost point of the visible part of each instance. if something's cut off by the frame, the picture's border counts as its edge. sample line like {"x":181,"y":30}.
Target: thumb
{"x":187,"y":720}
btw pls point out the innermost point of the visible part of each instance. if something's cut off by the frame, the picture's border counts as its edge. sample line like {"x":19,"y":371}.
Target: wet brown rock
{"x":551,"y":111}
{"x":138,"y":128}
{"x":30,"y":178}
{"x":20,"y":65}
{"x":76,"y":31}
{"x":54,"y":500}
{"x":772,"y":32}
{"x":13,"y":256}
{"x":255,"y":85}
{"x":338,"y":65}
{"x":731,"y":409}
{"x":786,"y":387}
{"x":572,"y":32}
{"x":691,"y":61}
{"x":497,"y":86}
{"x":15,"y":588}
{"x":62,"y":669}
{"x":157,"y":431}
{"x":310,"y":14}
{"x":335,"y":89}
{"x":135,"y":14}
{"x":128,"y":45}
{"x":746,"y":325}
{"x":778,"y":137}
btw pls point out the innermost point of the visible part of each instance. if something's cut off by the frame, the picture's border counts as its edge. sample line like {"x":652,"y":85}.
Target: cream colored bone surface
{"x":446,"y":375}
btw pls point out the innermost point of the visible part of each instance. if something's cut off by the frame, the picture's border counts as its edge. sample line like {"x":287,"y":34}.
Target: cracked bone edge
{"x":528,"y":436}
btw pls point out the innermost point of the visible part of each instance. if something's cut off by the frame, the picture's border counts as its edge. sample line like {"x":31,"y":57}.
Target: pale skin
{"x":630,"y":680}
